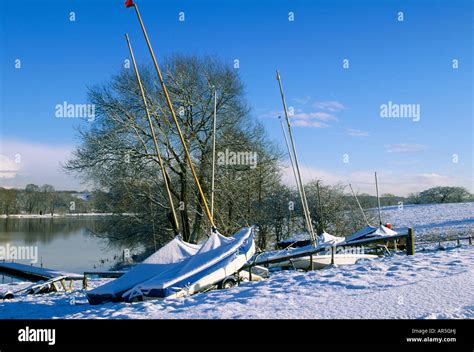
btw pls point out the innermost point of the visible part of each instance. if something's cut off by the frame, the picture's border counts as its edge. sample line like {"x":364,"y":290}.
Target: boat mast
{"x":291,"y":161}
{"x":360,"y":206}
{"x":303,"y":199}
{"x":320,"y":207}
{"x":213,"y":152}
{"x":175,"y":119}
{"x":155,"y":142}
{"x":378,"y":198}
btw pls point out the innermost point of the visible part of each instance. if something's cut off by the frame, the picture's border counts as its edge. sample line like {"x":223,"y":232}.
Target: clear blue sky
{"x":408,"y":62}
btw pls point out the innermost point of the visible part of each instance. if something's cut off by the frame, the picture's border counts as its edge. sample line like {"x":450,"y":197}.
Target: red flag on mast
{"x":129,"y":3}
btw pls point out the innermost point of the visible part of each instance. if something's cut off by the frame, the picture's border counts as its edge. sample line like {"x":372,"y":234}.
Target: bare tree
{"x":117,"y":155}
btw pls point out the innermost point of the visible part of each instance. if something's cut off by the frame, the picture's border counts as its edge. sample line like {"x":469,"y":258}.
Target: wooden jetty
{"x":33,"y":273}
{"x":49,"y":280}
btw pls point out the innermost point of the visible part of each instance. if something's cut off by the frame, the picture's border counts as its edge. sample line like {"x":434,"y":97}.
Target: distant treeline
{"x":42,"y":200}
{"x":441,"y":195}
{"x":429,"y":196}
{"x":46,"y":200}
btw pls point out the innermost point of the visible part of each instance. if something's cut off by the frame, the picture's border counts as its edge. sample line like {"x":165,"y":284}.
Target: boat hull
{"x":189,"y":279}
{"x":322,"y":261}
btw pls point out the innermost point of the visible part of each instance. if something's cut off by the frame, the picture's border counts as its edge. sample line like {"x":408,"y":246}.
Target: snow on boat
{"x":327,"y":240}
{"x":371,"y":232}
{"x":174,"y":252}
{"x":295,"y":258}
{"x":321,"y":261}
{"x":302,"y":240}
{"x":298,"y":240}
{"x":218,"y":258}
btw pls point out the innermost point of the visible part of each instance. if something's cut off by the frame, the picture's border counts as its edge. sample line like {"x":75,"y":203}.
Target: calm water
{"x":63,"y":244}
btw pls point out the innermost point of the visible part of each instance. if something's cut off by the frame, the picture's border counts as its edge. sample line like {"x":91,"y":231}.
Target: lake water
{"x":61,"y":243}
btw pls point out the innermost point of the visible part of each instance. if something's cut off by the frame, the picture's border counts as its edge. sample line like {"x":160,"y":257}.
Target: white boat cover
{"x":325,"y":240}
{"x":370,"y":231}
{"x":175,"y":251}
{"x":299,"y":237}
{"x":218,"y":253}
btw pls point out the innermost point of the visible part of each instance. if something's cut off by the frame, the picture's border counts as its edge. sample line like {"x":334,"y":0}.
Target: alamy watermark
{"x":11,"y":252}
{"x":347,"y":250}
{"x":68,"y":110}
{"x":230,"y":158}
{"x":37,"y":335}
{"x":394,"y":110}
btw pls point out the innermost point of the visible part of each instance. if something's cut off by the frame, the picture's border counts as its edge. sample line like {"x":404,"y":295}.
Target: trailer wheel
{"x":8,"y":295}
{"x":228,"y":282}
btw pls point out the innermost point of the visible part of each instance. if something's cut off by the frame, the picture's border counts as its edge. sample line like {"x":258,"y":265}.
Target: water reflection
{"x":74,"y":244}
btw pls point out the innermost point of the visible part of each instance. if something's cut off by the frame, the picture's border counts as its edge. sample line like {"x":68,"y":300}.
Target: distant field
{"x":433,"y":220}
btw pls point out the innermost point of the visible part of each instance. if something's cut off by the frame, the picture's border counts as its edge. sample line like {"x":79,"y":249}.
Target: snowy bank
{"x":429,"y":285}
{"x":433,"y":220}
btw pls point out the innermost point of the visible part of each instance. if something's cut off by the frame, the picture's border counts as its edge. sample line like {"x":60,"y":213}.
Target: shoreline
{"x":49,"y":216}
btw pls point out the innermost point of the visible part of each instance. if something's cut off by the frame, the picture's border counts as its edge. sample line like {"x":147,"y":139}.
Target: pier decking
{"x":33,"y":273}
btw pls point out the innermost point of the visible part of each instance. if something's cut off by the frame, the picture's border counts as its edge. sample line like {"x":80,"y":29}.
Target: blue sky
{"x":337,"y":110}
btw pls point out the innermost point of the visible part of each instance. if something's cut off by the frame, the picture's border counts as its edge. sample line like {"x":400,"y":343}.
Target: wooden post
{"x":311,"y":262}
{"x":411,"y":242}
{"x":84,"y":282}
{"x":459,"y":243}
{"x":470,"y":240}
{"x":63,"y":284}
{"x":332,"y":255}
{"x":250,"y":273}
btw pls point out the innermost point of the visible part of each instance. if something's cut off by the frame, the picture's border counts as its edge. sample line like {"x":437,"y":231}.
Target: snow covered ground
{"x":433,"y":220}
{"x":435,"y":284}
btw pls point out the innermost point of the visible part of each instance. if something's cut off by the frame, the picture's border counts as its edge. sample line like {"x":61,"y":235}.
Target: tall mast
{"x":360,"y":206}
{"x":213,"y":152}
{"x":155,"y":142}
{"x":378,"y":198}
{"x":320,"y":207}
{"x":303,"y":199}
{"x":292,"y":163}
{"x":175,"y":119}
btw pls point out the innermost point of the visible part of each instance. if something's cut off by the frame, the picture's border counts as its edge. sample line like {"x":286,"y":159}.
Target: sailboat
{"x":371,"y":232}
{"x":366,"y":234}
{"x":179,"y":268}
{"x":322,"y":248}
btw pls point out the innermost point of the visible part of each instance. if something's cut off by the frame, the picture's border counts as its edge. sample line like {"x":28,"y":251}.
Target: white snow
{"x":432,"y":284}
{"x":325,"y":240}
{"x":437,"y":219}
{"x":428,"y":285}
{"x":175,"y":251}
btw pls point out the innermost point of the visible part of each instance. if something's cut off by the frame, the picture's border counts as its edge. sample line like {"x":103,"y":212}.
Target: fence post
{"x":332,"y":255}
{"x":470,"y":240}
{"x":411,"y":242}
